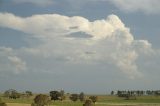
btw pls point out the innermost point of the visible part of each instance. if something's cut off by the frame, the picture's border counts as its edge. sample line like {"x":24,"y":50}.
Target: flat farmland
{"x":77,"y":104}
{"x":103,"y":100}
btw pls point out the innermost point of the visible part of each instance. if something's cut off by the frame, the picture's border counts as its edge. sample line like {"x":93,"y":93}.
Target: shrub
{"x":88,"y":102}
{"x":74,"y":97}
{"x":41,"y":100}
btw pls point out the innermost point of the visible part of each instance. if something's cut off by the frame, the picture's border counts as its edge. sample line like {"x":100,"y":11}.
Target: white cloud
{"x":110,"y":40}
{"x":9,"y":62}
{"x":54,"y":25}
{"x":17,"y":62}
{"x":146,"y":6}
{"x":36,"y":2}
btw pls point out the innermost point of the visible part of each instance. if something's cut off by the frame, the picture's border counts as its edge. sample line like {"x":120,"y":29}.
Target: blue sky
{"x":93,"y":46}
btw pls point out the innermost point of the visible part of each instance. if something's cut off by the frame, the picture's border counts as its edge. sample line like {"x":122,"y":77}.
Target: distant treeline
{"x":136,"y":93}
{"x":45,"y":99}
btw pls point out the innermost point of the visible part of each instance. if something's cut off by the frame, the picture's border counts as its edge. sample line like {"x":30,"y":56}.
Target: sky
{"x":91,"y":46}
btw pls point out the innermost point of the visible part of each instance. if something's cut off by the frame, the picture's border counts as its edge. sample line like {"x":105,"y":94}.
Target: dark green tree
{"x":119,"y":93}
{"x":55,"y":95}
{"x":112,"y":92}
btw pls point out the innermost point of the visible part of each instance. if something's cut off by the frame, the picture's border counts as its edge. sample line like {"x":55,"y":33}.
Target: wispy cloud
{"x":146,"y":6}
{"x":10,"y":62}
{"x":36,"y":2}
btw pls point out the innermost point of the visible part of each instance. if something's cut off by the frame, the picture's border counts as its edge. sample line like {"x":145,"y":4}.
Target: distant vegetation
{"x":133,"y":94}
{"x":12,"y":94}
{"x":60,"y":98}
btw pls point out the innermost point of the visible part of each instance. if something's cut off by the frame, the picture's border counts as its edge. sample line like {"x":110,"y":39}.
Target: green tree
{"x":112,"y":92}
{"x":119,"y":93}
{"x":81,"y":96}
{"x":12,"y":94}
{"x":55,"y":95}
{"x":94,"y":99}
{"x":41,"y":100}
{"x":74,"y":97}
{"x":28,"y":93}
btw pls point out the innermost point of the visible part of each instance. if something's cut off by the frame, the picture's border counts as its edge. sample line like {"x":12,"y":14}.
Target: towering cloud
{"x":78,"y":40}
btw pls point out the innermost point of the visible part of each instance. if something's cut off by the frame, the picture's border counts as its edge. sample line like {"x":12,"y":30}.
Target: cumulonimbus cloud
{"x":107,"y":40}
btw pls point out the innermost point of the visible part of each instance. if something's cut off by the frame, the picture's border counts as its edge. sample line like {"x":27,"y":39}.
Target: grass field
{"x":102,"y":101}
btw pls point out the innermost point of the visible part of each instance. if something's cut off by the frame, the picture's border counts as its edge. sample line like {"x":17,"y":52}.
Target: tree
{"x":62,"y":96}
{"x":88,"y":102}
{"x":12,"y":94}
{"x":74,"y":97}
{"x":112,"y":92}
{"x":41,"y":100}
{"x":55,"y":95}
{"x":81,"y":96}
{"x":93,"y":98}
{"x":7,"y":93}
{"x":28,"y":93}
{"x":119,"y":93}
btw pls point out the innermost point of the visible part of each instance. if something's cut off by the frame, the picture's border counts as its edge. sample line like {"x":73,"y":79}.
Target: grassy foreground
{"x":102,"y":101}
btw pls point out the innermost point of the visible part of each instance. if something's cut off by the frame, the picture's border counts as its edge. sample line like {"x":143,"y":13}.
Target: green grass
{"x":140,"y":99}
{"x":20,"y":100}
{"x":67,"y":103}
